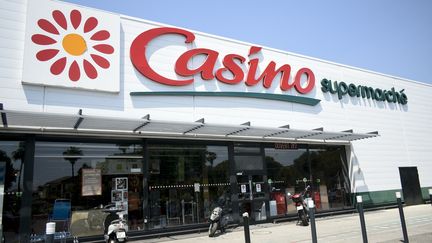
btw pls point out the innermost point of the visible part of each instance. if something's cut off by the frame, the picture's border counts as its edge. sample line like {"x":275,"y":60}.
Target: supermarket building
{"x":166,"y":123}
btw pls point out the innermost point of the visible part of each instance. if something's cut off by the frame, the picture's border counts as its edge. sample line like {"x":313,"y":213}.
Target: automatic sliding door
{"x":251,"y":182}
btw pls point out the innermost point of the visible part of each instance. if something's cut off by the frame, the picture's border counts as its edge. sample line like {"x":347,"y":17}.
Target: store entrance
{"x":251,"y":181}
{"x":252,"y":196}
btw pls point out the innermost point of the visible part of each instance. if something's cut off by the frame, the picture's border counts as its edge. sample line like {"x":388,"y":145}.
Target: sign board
{"x":258,"y":187}
{"x":91,"y":182}
{"x":73,"y":47}
{"x":196,"y":187}
{"x":243,"y":188}
{"x":286,"y":146}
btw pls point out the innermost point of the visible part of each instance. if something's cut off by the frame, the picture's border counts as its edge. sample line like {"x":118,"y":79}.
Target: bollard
{"x":246,"y":227}
{"x":402,"y":217}
{"x":311,"y":206}
{"x":362,"y":220}
{"x":49,"y":233}
{"x":430,"y":196}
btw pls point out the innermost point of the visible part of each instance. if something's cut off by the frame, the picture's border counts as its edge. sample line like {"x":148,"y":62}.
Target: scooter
{"x":301,"y":206}
{"x":115,"y":226}
{"x":217,"y":221}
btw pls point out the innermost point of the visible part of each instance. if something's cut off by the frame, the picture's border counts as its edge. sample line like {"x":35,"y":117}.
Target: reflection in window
{"x":248,"y":162}
{"x":72,"y":181}
{"x":12,"y":163}
{"x":330,"y":177}
{"x":286,"y":170}
{"x":195,"y":179}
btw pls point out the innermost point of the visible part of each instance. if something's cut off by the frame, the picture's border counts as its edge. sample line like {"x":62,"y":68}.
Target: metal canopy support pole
{"x":247,"y":127}
{"x":287,"y":127}
{"x":196,"y":127}
{"x":147,"y":118}
{"x":80,"y":119}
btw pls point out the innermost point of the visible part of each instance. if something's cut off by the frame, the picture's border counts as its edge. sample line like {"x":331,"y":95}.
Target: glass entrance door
{"x":251,"y":180}
{"x":252,"y":196}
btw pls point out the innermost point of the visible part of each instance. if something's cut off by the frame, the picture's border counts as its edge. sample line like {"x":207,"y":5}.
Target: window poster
{"x":91,"y":182}
{"x":121,"y":183}
{"x":116,"y":196}
{"x":119,"y":193}
{"x":258,"y":187}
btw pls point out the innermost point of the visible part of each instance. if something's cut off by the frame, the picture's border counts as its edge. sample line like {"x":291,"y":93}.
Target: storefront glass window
{"x":186,"y":182}
{"x":11,"y":186}
{"x":290,"y":169}
{"x":330,"y":177}
{"x":287,"y":169}
{"x":73,"y":181}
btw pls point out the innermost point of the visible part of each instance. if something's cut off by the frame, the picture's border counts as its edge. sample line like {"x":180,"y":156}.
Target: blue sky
{"x":387,"y":36}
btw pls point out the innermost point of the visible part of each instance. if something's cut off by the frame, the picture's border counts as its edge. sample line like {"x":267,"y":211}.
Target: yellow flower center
{"x":74,"y":44}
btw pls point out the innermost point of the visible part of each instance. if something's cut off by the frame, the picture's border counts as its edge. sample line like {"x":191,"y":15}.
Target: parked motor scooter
{"x":115,"y":226}
{"x":301,"y":206}
{"x":217,"y":221}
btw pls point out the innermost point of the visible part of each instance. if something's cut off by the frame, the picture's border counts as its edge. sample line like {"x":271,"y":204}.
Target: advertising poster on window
{"x":116,"y":196}
{"x":258,"y":187}
{"x":91,"y":182}
{"x":120,"y":194}
{"x":121,"y":183}
{"x":243,"y":188}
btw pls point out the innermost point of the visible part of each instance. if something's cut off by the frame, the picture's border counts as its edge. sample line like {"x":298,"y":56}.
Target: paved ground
{"x":382,"y":226}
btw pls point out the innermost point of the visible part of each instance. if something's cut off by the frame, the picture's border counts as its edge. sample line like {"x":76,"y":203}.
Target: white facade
{"x":405,"y":130}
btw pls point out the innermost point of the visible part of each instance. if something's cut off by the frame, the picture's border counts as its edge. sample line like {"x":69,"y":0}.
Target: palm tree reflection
{"x":72,"y":154}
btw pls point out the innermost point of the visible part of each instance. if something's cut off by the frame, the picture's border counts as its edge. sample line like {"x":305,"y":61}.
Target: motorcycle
{"x":115,"y":226}
{"x":217,"y":221}
{"x":301,"y":206}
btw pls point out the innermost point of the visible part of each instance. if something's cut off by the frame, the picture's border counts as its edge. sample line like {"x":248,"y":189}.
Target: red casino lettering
{"x":232,"y":63}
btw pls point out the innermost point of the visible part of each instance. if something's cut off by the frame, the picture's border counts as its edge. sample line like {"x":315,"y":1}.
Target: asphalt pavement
{"x":382,"y":226}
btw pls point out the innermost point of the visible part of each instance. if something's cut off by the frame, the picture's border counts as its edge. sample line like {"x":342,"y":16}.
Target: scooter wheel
{"x":212,"y":229}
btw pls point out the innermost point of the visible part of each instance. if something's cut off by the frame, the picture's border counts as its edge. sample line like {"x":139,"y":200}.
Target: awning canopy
{"x":79,"y":124}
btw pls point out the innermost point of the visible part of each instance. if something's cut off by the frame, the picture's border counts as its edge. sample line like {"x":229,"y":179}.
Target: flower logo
{"x":73,"y":46}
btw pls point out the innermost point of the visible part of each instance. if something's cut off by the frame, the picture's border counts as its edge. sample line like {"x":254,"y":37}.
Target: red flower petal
{"x":42,"y":39}
{"x":60,"y":18}
{"x":75,"y":17}
{"x":104,"y":48}
{"x":58,"y":66}
{"x":47,"y":54}
{"x":102,"y":62}
{"x":47,"y":26}
{"x":100,"y":35}
{"x":90,"y":24}
{"x":89,"y":69}
{"x":74,"y":71}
